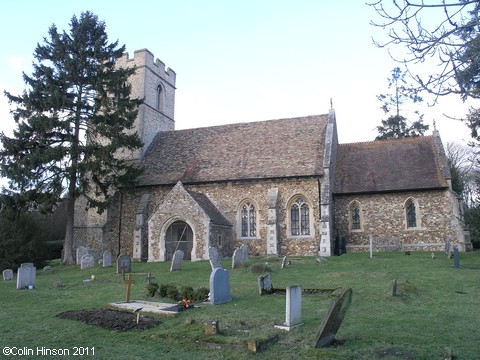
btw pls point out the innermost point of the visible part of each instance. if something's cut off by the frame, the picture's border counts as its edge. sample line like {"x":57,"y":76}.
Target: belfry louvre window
{"x":411,"y":215}
{"x":249,"y":220}
{"x":300,"y":218}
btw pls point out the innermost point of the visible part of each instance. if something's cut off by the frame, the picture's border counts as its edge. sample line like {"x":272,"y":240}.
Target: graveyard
{"x":394,"y":306}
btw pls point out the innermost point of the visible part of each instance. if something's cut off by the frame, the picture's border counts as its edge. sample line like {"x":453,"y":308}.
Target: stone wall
{"x":227,"y":197}
{"x":383,"y":217}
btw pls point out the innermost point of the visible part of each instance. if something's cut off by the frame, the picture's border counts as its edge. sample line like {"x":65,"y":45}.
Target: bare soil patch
{"x":111,"y":319}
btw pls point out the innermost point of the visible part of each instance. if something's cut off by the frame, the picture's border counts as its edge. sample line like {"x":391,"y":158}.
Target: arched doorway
{"x":179,"y":236}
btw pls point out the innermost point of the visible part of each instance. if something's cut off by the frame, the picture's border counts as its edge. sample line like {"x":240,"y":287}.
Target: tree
{"x":72,"y":121}
{"x":396,"y":126}
{"x":453,"y":40}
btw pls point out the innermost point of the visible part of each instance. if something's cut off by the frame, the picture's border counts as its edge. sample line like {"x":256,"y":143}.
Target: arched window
{"x":159,"y":103}
{"x":299,"y":217}
{"x":355,"y":216}
{"x":248,"y":218}
{"x":412,"y":214}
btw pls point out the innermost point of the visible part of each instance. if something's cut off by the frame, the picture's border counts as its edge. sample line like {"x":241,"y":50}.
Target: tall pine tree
{"x":72,"y":121}
{"x":396,"y":125}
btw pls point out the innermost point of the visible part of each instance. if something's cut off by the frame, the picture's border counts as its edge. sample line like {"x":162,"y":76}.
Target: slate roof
{"x":391,"y":165}
{"x":245,"y":151}
{"x":210,"y":209}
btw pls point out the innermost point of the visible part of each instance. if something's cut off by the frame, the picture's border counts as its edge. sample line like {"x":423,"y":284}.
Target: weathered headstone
{"x":107,"y":258}
{"x":81,"y":250}
{"x":87,"y":261}
{"x":333,"y":319}
{"x":58,"y":284}
{"x":176,"y":260}
{"x":456,"y":257}
{"x":219,"y":286}
{"x":240,"y":256}
{"x":371,"y":245}
{"x":124,"y":264}
{"x":448,"y":243}
{"x":293,"y":316}
{"x":394,"y":287}
{"x":7,"y":274}
{"x":265,"y":285}
{"x":215,"y":258}
{"x":26,"y":276}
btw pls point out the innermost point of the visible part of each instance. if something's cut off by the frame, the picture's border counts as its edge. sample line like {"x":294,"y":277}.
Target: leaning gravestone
{"x":7,"y":274}
{"x":293,"y":316}
{"x":265,"y":285}
{"x":107,"y":258}
{"x":87,"y":261}
{"x":81,"y":250}
{"x":215,"y":258}
{"x":240,"y":256}
{"x":124,"y":264}
{"x":448,"y":243}
{"x":26,"y":276}
{"x":176,"y":260}
{"x":284,"y":262}
{"x":219,"y":286}
{"x":333,"y":319}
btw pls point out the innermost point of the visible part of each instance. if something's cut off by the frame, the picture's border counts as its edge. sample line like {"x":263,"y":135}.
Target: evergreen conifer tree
{"x":72,"y":122}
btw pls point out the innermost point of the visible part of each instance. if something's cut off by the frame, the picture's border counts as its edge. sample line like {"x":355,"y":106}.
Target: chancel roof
{"x":245,"y":151}
{"x":391,"y":165}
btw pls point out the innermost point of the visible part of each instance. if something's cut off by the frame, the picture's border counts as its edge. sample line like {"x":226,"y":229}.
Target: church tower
{"x":156,"y":85}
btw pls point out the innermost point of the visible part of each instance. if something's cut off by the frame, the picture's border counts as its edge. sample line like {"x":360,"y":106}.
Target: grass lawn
{"x":437,"y":308}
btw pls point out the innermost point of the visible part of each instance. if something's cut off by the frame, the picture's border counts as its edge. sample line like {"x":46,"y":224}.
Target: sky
{"x":238,"y":60}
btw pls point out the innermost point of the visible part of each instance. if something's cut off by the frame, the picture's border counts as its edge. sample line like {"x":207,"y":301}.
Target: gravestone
{"x":87,"y":261}
{"x":81,"y":250}
{"x":456,"y":257}
{"x":333,"y":319}
{"x":107,"y":258}
{"x":219,"y":286}
{"x":265,"y":285}
{"x":284,"y":262}
{"x":26,"y":276}
{"x":293,"y":316}
{"x":394,"y":287}
{"x":448,"y":244}
{"x":215,"y":258}
{"x":176,"y":260}
{"x":7,"y":274}
{"x":240,"y":256}
{"x":124,"y":264}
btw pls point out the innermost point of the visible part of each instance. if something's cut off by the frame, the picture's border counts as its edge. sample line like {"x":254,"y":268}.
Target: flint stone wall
{"x":383,"y":216}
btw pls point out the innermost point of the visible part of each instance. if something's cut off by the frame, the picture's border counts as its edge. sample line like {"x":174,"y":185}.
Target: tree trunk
{"x":68,"y":257}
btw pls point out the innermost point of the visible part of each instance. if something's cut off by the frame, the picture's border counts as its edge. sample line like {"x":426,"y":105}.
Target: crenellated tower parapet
{"x":154,"y":83}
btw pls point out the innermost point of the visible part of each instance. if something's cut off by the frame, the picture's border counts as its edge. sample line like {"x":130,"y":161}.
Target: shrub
{"x":260,"y":268}
{"x":200,"y":294}
{"x":186,"y":293}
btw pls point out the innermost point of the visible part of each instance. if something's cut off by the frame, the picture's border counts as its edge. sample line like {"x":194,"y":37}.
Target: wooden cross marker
{"x":129,"y":283}
{"x":149,"y":278}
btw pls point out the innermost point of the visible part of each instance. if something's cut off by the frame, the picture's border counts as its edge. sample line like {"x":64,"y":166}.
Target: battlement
{"x":144,"y":57}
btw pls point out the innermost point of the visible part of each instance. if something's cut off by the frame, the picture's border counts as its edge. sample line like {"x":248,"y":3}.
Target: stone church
{"x":283,"y":187}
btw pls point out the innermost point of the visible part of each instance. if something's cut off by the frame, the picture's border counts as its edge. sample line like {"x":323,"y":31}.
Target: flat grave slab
{"x":147,"y":306}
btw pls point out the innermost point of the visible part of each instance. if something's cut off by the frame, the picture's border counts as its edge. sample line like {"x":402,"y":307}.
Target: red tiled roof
{"x":266,"y":149}
{"x":390,"y":165}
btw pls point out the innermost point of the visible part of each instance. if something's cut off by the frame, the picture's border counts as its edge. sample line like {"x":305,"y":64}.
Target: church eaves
{"x":270,"y":149}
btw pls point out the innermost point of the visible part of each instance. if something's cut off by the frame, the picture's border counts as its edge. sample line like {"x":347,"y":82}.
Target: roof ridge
{"x":386,"y":141}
